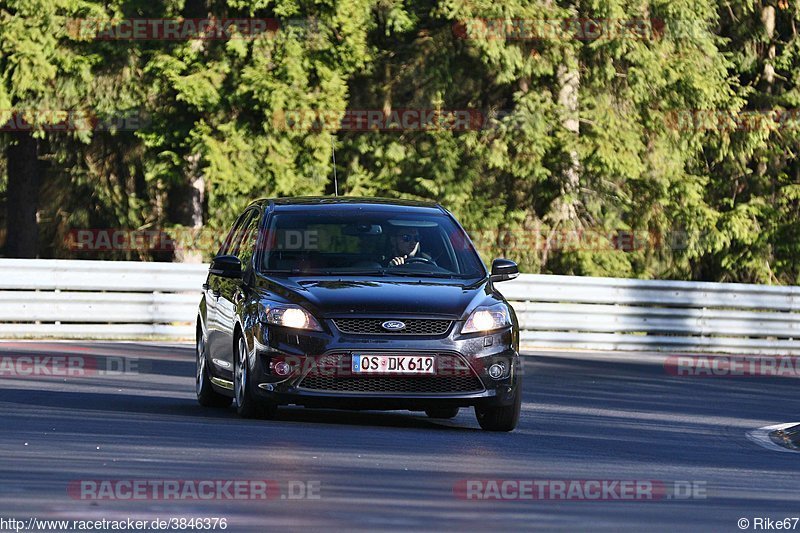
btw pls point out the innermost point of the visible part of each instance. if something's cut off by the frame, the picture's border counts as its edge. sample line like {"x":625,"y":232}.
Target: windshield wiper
{"x":366,"y":272}
{"x":300,"y":272}
{"x":375,"y":272}
{"x":419,"y":274}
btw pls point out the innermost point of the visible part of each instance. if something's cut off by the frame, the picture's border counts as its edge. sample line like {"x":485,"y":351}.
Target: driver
{"x":405,"y":245}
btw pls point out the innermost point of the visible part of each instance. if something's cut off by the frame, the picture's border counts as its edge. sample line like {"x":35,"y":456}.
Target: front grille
{"x":394,"y":384}
{"x":372,"y":326}
{"x":455,"y":376}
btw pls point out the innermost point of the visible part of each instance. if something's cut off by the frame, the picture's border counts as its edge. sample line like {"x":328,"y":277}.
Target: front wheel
{"x":206,"y":395}
{"x":503,"y":418}
{"x":247,"y":405}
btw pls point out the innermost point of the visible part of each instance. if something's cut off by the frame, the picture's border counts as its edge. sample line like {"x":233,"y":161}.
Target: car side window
{"x":236,"y":242}
{"x":247,"y":240}
{"x":227,"y":245}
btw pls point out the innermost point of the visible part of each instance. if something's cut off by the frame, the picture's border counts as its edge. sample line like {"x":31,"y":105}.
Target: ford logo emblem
{"x":393,"y":325}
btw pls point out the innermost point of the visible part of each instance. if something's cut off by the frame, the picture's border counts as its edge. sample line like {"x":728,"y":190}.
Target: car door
{"x":216,"y":347}
{"x":231,"y":291}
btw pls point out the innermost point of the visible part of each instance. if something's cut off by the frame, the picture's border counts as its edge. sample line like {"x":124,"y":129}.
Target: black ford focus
{"x":357,"y":304}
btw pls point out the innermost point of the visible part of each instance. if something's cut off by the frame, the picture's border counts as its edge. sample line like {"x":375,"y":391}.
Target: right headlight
{"x":487,"y":318}
{"x":289,"y":316}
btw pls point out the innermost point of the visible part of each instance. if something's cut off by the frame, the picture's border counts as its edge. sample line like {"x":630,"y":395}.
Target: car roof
{"x":300,"y":203}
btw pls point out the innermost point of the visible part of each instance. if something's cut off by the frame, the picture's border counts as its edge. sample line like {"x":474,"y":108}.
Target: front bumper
{"x":321,"y":376}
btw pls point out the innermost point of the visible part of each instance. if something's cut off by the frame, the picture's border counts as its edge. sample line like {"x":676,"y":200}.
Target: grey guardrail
{"x":123,"y":299}
{"x":98,"y":299}
{"x":627,"y":314}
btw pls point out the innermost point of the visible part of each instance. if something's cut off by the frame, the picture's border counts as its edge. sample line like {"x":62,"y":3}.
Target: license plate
{"x":393,"y":364}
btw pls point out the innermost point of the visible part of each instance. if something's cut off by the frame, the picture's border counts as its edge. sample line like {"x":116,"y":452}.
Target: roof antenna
{"x":335,"y":180}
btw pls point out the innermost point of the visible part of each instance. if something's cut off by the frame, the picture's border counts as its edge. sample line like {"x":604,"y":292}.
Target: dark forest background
{"x":663,"y":146}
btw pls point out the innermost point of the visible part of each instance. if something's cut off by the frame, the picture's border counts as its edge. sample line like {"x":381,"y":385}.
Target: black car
{"x":357,"y":303}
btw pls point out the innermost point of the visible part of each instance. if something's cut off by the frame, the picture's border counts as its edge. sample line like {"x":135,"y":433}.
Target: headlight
{"x":487,"y":318}
{"x":290,"y":316}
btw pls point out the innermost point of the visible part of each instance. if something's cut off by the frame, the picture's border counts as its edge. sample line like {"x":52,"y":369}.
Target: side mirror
{"x":503,"y":270}
{"x":226,"y":266}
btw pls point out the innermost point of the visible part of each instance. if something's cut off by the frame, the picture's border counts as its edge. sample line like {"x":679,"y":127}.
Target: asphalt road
{"x":586,"y":416}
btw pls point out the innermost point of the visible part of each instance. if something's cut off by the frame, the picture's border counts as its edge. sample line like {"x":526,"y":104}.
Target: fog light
{"x":282,"y":368}
{"x":497,"y":370}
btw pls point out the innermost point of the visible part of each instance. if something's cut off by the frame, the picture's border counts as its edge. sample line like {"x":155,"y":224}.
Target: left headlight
{"x":487,"y":318}
{"x":289,"y":316}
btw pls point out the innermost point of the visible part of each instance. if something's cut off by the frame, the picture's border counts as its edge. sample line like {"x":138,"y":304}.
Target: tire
{"x":442,"y":412}
{"x":247,"y":404}
{"x":206,"y":395}
{"x":503,"y":418}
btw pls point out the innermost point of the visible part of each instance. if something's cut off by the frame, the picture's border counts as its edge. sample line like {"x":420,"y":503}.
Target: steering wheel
{"x":423,"y":260}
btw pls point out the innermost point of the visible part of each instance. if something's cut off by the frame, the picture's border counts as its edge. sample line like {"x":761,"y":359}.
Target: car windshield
{"x":377,"y":243}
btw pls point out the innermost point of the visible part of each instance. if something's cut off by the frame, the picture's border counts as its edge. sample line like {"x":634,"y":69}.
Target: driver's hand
{"x":398,"y":261}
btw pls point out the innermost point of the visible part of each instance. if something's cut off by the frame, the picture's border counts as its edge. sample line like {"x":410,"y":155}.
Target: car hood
{"x":380,"y":296}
